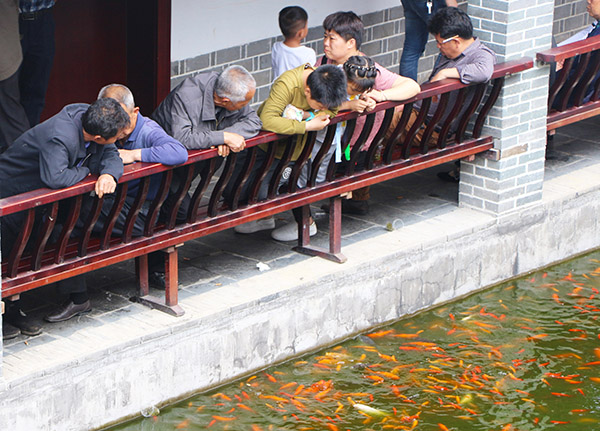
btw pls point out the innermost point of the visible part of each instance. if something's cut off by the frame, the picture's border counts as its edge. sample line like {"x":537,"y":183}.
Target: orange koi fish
{"x":224,"y":418}
{"x":245,"y":407}
{"x":222,"y":396}
{"x":183,"y":424}
{"x":380,"y":333}
{"x":288,"y":385}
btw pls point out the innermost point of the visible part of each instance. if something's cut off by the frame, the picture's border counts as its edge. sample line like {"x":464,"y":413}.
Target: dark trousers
{"x":13,"y":120}
{"x":37,"y":42}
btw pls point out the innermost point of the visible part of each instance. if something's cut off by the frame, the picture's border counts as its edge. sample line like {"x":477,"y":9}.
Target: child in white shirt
{"x":289,"y":54}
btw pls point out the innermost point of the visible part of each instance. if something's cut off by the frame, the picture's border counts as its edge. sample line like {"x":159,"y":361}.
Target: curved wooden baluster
{"x":215,"y":196}
{"x":582,"y":87}
{"x":301,"y":161}
{"x":460,"y":98}
{"x":20,"y":243}
{"x":89,"y":226}
{"x":464,"y":120}
{"x":262,"y":173}
{"x":561,"y":77}
{"x":318,"y":160}
{"x":181,"y":193}
{"x":346,"y":136}
{"x":385,"y":125}
{"x":113,"y":215}
{"x":596,"y":91}
{"x":490,"y":101}
{"x":574,"y":80}
{"x":42,"y":237}
{"x":431,"y":124}
{"x":156,"y":205}
{"x":360,"y":142}
{"x":412,"y":132}
{"x":139,"y":200}
{"x":241,"y":180}
{"x":390,"y":144}
{"x":205,"y":177}
{"x":290,"y":144}
{"x":65,"y":234}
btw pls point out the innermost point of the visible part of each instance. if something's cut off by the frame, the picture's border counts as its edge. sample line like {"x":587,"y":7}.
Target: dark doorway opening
{"x":99,"y":42}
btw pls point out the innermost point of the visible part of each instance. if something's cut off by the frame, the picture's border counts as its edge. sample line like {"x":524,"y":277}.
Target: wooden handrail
{"x":559,"y":53}
{"x":43,"y":196}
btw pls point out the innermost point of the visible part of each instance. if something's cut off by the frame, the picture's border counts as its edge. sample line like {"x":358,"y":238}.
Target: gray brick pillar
{"x":513,"y":29}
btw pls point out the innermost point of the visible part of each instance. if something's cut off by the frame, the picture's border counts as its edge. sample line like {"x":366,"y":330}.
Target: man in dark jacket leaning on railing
{"x":59,"y":153}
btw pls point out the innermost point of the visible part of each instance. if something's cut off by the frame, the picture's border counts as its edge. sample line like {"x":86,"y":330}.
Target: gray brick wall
{"x":384,"y":37}
{"x":518,"y":120}
{"x":383,"y":40}
{"x":570,"y":16}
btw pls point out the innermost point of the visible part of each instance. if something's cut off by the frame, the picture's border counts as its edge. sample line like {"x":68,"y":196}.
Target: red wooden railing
{"x":35,"y":262}
{"x":581,"y":64}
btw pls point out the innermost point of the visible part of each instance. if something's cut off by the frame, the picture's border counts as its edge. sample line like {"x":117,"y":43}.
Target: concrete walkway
{"x":123,"y":356}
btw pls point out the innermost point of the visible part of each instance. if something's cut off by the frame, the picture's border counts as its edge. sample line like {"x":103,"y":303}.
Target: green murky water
{"x":523,"y":355}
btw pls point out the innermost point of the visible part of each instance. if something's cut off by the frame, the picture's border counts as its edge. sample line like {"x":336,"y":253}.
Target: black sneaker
{"x":156,"y":279}
{"x":451,"y":177}
{"x":20,"y":320}
{"x":350,"y":206}
{"x":9,"y":331}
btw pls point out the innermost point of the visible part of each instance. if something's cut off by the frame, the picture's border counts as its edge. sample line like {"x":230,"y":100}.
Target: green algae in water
{"x":523,"y":355}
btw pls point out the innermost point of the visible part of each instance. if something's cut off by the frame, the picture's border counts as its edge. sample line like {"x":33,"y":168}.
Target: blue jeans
{"x":415,"y":34}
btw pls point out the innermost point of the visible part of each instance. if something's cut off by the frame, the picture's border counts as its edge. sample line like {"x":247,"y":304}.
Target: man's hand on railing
{"x":130,"y":156}
{"x":318,"y":123}
{"x":223,"y":150}
{"x":105,"y":184}
{"x":235,"y":142}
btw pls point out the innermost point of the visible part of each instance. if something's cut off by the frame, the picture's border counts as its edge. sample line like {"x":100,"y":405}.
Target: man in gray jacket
{"x":211,"y":110}
{"x":207,"y":110}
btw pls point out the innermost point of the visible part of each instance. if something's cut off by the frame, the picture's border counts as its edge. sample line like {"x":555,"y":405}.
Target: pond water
{"x":523,"y":355}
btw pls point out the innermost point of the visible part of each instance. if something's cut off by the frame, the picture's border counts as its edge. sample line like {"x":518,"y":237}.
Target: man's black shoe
{"x":350,"y":206}
{"x":156,"y":279}
{"x":68,"y":311}
{"x":9,"y":331}
{"x":21,"y":321}
{"x":451,"y":177}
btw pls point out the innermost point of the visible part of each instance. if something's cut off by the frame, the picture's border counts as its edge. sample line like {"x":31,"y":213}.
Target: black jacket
{"x":49,"y":155}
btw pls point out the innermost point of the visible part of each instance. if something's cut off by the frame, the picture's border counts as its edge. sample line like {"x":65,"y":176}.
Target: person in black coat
{"x":59,"y":153}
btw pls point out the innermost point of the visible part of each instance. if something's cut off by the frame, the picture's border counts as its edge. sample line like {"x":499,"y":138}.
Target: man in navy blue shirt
{"x":145,"y":141}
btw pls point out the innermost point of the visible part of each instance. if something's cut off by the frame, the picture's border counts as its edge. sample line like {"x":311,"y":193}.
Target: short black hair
{"x":346,"y":24}
{"x":105,"y":117}
{"x":291,"y":20}
{"x":451,"y":21}
{"x":328,"y":86}
{"x":361,"y":72}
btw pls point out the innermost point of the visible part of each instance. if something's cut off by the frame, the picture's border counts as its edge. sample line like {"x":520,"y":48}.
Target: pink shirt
{"x":384,"y":80}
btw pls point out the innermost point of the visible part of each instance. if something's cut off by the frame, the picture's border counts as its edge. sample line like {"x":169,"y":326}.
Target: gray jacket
{"x":189,"y":115}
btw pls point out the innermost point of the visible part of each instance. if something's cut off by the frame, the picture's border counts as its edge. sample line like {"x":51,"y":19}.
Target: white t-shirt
{"x":581,"y":35}
{"x":284,"y":58}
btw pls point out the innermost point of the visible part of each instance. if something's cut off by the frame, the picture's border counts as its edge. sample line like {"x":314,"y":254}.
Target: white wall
{"x":203,"y":26}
